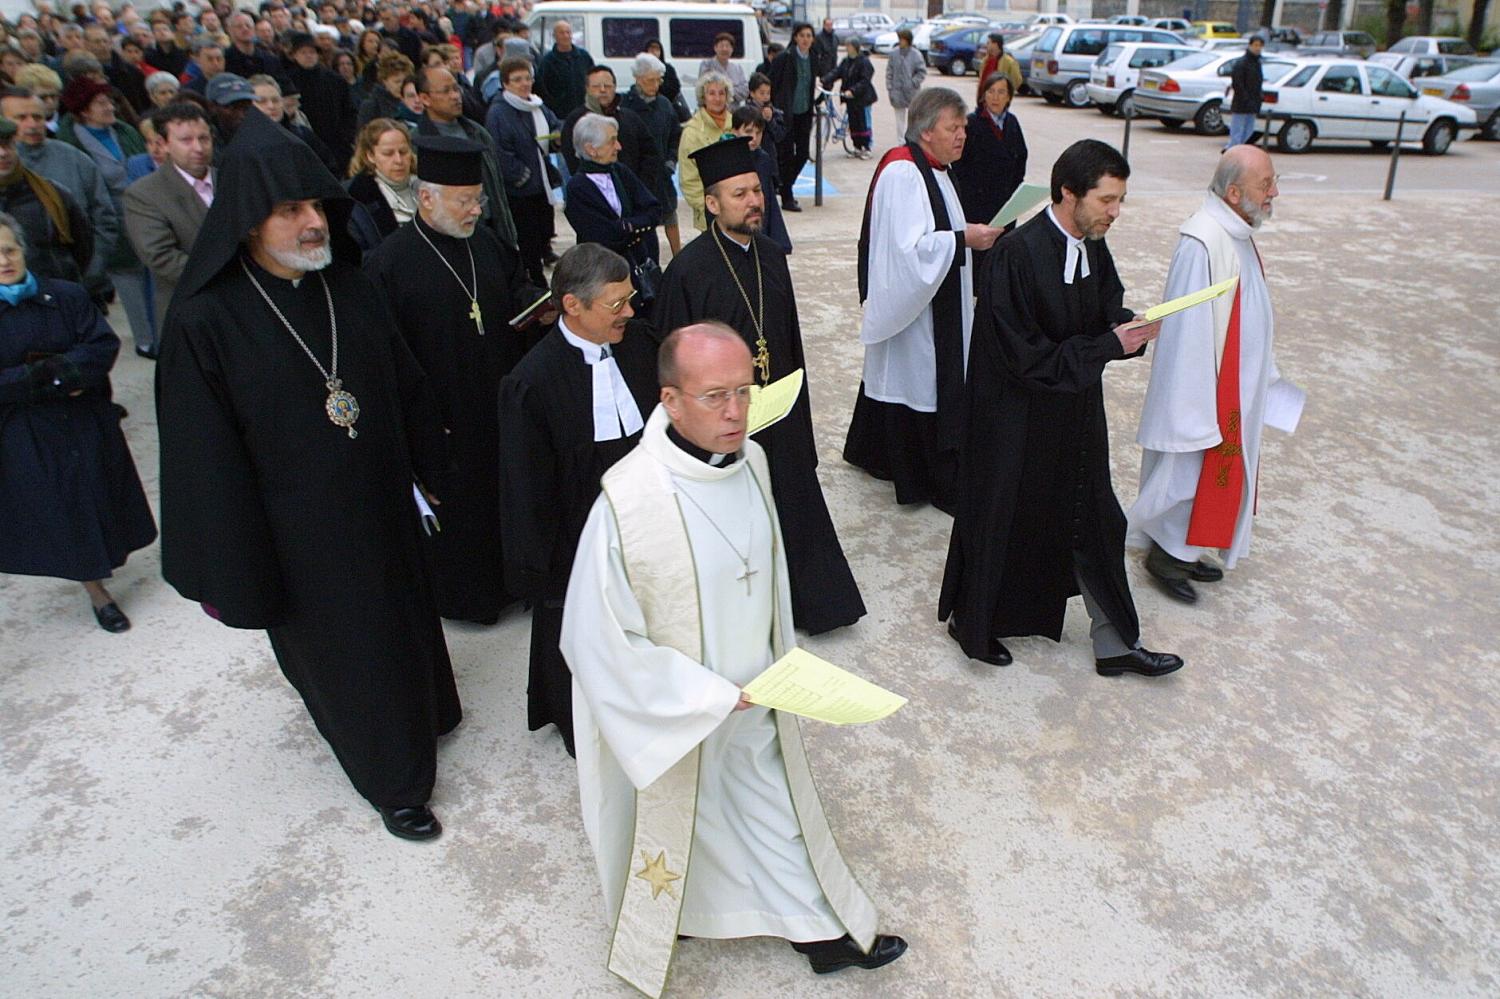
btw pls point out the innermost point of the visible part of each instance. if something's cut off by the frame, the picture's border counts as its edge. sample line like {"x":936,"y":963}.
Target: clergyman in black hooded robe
{"x":294,"y":426}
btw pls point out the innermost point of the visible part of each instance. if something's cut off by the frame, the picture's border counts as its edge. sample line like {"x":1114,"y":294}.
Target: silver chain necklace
{"x":474,"y":312}
{"x":342,"y":408}
{"x":749,"y":541}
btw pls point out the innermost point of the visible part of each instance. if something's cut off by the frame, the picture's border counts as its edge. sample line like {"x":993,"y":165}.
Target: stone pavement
{"x":1307,"y":808}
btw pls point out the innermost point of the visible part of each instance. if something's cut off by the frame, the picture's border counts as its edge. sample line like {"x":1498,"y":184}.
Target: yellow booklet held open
{"x":1176,"y":305}
{"x":802,"y":684}
{"x":770,"y":404}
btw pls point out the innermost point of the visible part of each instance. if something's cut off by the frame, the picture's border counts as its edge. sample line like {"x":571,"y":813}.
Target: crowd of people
{"x":384,"y":400}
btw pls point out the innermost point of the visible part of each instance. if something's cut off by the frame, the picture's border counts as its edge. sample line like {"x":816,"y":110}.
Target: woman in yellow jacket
{"x":710,"y":124}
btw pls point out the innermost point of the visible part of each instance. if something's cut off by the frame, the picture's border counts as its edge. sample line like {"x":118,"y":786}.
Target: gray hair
{"x":927,"y":107}
{"x":584,"y":270}
{"x":592,"y":130}
{"x":1231,"y":170}
{"x":668,"y":371}
{"x":8,"y":221}
{"x":161,"y":78}
{"x":709,"y":79}
{"x":205,"y":42}
{"x":646,"y":64}
{"x":69,"y":29}
{"x":260,"y":80}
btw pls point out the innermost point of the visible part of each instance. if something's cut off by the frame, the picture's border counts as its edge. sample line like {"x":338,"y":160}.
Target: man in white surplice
{"x":699,"y":805}
{"x":1196,"y":410}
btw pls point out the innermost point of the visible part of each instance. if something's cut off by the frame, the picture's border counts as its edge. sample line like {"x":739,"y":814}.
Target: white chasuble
{"x":1179,"y":420}
{"x":908,"y":261}
{"x":644,"y":709}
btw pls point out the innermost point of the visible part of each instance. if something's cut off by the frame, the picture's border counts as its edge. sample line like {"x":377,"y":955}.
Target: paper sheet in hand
{"x":525,"y":313}
{"x":1176,"y":305}
{"x":802,"y":684}
{"x":770,"y":404}
{"x":1027,"y":197}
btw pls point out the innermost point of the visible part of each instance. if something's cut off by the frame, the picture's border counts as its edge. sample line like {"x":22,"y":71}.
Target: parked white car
{"x":1345,"y":99}
{"x":922,"y":34}
{"x":1113,"y":77}
{"x":1192,"y":89}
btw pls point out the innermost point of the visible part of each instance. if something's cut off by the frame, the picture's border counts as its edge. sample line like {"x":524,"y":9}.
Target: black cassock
{"x":1034,"y":494}
{"x":463,"y":369}
{"x":696,"y":287}
{"x":274,"y":517}
{"x":550,"y":466}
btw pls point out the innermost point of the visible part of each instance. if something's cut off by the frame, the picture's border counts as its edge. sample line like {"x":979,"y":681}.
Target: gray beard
{"x":1254,"y":214}
{"x":294,"y":260}
{"x":448,"y":228}
{"x":747,"y":228}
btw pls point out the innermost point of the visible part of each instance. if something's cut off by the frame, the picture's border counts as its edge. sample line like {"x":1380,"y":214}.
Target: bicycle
{"x":833,"y":122}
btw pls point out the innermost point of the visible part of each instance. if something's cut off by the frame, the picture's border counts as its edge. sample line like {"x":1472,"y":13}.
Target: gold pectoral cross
{"x":763,"y":361}
{"x":476,"y":315}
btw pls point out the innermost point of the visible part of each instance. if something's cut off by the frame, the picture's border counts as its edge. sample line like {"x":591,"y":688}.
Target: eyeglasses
{"x":719,"y":398}
{"x":468,"y":203}
{"x":614,"y":307}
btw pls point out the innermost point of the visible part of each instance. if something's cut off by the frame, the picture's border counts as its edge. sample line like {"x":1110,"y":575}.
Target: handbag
{"x":646,"y":276}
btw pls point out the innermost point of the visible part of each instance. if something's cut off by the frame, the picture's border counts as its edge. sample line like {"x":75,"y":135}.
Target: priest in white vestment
{"x":700,"y":806}
{"x":1203,"y":415}
{"x":916,"y":281}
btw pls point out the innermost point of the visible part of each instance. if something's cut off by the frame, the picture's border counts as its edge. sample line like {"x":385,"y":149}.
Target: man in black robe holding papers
{"x":1037,"y":518}
{"x":454,"y":287}
{"x":573,"y":407}
{"x":737,"y":275}
{"x":295,"y":426}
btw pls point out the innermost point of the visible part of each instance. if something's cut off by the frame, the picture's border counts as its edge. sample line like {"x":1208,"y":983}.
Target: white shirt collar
{"x":743,"y":247}
{"x":614,"y":410}
{"x":1077,"y":261}
{"x":591,"y":351}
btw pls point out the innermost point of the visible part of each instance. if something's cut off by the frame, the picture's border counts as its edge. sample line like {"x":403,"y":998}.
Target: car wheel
{"x":1210,"y":119}
{"x":958,"y":67}
{"x":1105,"y":109}
{"x":1050,"y":97}
{"x":1077,"y":94}
{"x":1295,"y":137}
{"x":1491,"y":129}
{"x":1439,"y":137}
{"x":1172,"y":124}
{"x":1380,"y":144}
{"x":1125,"y":107}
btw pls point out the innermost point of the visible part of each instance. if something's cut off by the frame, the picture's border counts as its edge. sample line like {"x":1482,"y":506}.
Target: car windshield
{"x":1455,"y":47}
{"x":1109,"y":55}
{"x":1359,"y":38}
{"x":1478,"y":72}
{"x":1195,"y":61}
{"x":1271,"y":72}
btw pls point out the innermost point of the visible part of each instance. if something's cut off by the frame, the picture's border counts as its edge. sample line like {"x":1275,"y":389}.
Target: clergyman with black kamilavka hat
{"x":295,"y":430}
{"x":737,"y":275}
{"x":453,"y":287}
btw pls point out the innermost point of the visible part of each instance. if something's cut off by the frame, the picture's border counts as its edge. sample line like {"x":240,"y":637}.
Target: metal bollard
{"x":1125,"y":145}
{"x":1265,"y":133}
{"x":1390,"y":178}
{"x":818,"y":159}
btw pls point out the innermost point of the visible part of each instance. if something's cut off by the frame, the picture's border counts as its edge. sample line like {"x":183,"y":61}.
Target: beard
{"x":1255,"y":214}
{"x":750,"y":225}
{"x":448,"y":227}
{"x":304,"y":260}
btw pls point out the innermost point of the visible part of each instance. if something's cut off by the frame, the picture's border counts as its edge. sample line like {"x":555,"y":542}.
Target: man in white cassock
{"x":1214,"y":386}
{"x":700,"y":806}
{"x":916,"y":281}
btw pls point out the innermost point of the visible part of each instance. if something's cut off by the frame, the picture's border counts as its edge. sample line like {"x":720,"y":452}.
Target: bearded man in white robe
{"x":1214,"y":385}
{"x":699,"y":805}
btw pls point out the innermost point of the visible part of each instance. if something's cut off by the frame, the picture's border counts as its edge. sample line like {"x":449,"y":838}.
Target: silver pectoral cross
{"x":476,"y":315}
{"x":745,"y":577}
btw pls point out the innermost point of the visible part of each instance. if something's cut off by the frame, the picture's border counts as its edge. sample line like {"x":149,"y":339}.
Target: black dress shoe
{"x":1178,"y":589}
{"x":827,"y":956}
{"x":1142,"y":661}
{"x":149,"y":353}
{"x":549,"y":258}
{"x":996,"y":654}
{"x":791,"y":205}
{"x":1205,"y":572}
{"x":414,"y":822}
{"x":111,"y":618}
{"x":1172,"y":574}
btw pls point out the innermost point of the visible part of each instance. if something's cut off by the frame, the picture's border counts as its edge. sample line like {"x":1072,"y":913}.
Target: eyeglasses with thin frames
{"x":717,"y":399}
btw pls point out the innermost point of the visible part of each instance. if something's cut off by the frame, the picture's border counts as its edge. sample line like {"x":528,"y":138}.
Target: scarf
{"x":50,"y":200}
{"x":592,"y":103}
{"x":402,"y":199}
{"x":15,"y":294}
{"x":533,"y":107}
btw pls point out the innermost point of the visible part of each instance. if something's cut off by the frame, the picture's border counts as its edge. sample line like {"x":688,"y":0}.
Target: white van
{"x":615,"y":31}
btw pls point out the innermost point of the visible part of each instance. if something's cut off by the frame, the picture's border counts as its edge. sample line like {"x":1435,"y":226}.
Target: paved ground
{"x":1308,"y":808}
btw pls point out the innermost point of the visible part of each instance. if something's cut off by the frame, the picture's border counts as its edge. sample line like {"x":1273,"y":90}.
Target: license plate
{"x":1148,"y":84}
{"x":1432,"y":91}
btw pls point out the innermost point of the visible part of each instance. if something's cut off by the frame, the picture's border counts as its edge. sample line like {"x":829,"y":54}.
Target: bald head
{"x":706,"y":373}
{"x":1246,"y":181}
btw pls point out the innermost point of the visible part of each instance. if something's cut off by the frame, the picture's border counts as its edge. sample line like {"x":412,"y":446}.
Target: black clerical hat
{"x":450,"y":161}
{"x":726,"y":158}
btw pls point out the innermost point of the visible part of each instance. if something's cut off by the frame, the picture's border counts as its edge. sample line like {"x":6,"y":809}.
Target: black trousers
{"x":535,"y":227}
{"x":796,"y":149}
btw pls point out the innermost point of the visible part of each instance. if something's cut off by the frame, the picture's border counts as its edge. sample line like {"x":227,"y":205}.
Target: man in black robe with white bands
{"x":453,"y":287}
{"x":294,"y":427}
{"x":573,"y":407}
{"x":1037,"y":518}
{"x":737,"y":275}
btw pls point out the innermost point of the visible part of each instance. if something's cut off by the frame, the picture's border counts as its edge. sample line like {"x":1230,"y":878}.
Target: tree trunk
{"x":1395,"y":21}
{"x":1267,"y":12}
{"x":1476,"y":22}
{"x":1424,"y":17}
{"x":1335,"y":14}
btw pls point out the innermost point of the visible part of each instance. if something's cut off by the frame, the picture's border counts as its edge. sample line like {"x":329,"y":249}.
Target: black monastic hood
{"x":264,"y":165}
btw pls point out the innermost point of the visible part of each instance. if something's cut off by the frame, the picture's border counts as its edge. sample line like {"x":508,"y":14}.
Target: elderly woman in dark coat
{"x":607,"y":204}
{"x":648,"y":99}
{"x":71,"y":503}
{"x":994,"y":160}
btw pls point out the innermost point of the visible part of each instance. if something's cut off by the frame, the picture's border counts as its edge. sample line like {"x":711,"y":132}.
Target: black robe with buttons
{"x":1034,"y":496}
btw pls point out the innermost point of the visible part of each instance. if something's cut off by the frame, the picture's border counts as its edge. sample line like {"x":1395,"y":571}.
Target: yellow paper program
{"x":1176,"y":305}
{"x":802,"y":684}
{"x":770,"y":404}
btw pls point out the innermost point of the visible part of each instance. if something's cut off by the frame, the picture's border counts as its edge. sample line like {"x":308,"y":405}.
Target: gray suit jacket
{"x":162,"y":217}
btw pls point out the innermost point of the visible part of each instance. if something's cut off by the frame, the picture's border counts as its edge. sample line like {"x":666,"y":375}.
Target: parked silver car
{"x":1414,"y":67}
{"x":1477,"y":86}
{"x":1192,"y":89}
{"x":1064,"y":55}
{"x":1433,"y":45}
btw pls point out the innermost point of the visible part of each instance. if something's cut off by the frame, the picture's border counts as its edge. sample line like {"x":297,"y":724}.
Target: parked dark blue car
{"x":953,"y":53}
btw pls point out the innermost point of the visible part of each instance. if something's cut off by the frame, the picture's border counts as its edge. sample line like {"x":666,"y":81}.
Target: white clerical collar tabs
{"x":1076,"y":263}
{"x":593,"y":353}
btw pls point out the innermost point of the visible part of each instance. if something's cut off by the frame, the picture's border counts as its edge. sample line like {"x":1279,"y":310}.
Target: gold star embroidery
{"x":655,"y":872}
